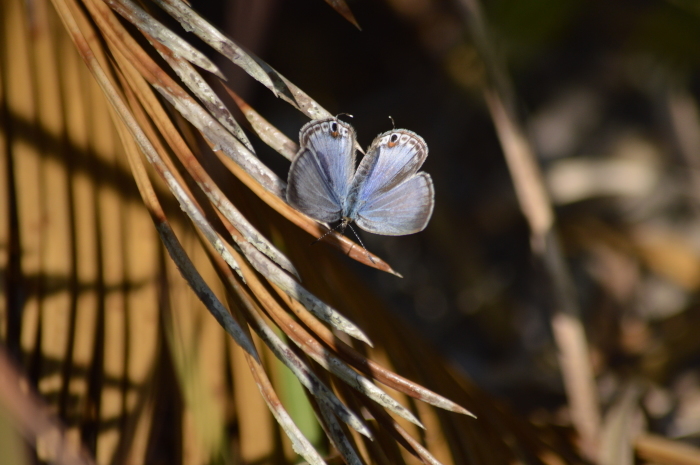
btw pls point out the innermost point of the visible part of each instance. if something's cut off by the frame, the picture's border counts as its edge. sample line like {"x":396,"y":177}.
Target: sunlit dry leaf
{"x":257,"y":68}
{"x":294,"y":363}
{"x":267,"y":132}
{"x":194,"y":81}
{"x":139,"y":18}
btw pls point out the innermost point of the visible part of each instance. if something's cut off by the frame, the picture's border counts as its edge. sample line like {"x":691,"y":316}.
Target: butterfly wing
{"x":334,"y":143}
{"x":404,"y":209}
{"x":388,"y":196}
{"x":320,"y":175}
{"x":392,"y":158}
{"x":309,"y":189}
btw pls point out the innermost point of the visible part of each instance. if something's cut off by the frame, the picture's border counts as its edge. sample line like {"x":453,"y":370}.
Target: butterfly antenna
{"x":362,"y":244}
{"x":392,"y":122}
{"x":330,"y":231}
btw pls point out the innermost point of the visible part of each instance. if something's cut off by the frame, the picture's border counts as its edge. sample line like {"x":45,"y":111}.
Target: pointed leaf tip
{"x":344,"y":10}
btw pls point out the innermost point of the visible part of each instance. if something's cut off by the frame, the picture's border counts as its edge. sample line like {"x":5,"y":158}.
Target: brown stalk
{"x":568,"y":329}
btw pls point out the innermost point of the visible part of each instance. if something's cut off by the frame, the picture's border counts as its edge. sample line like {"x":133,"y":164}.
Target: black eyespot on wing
{"x":393,"y":139}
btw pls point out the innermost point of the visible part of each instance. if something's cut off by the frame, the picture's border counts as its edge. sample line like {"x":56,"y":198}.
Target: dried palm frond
{"x":111,"y":325}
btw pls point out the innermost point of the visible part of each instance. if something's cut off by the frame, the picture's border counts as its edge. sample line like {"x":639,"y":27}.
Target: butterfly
{"x":386,"y":195}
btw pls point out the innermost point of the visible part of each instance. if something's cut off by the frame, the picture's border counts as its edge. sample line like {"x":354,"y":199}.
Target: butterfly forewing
{"x":405,"y":209}
{"x":392,"y":158}
{"x":334,"y":144}
{"x":321,"y":172}
{"x":309,"y":189}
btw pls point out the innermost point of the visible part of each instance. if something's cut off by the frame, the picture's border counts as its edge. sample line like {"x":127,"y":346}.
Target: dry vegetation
{"x":161,"y":302}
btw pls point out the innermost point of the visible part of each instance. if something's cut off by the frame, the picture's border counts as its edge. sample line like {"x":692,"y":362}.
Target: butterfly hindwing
{"x":404,"y":209}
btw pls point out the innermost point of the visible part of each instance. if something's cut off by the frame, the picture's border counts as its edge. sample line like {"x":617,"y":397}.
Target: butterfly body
{"x":385,"y":195}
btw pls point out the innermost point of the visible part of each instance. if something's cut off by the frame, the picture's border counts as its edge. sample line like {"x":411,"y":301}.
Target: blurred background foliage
{"x":607,"y":93}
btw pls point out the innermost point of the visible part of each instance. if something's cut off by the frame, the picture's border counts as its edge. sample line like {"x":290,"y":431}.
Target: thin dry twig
{"x":569,"y":332}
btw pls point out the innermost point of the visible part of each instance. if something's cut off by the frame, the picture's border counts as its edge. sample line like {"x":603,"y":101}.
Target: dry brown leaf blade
{"x":401,"y":436}
{"x":336,"y":433}
{"x":251,"y":64}
{"x":194,"y":23}
{"x":300,"y":294}
{"x":269,"y":134}
{"x":194,"y":81}
{"x":223,"y":141}
{"x":305,"y":375}
{"x":145,"y":22}
{"x":344,"y":10}
{"x":240,"y":228}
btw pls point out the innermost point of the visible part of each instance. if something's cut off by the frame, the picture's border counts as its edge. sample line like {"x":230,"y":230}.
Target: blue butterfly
{"x":386,"y":194}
